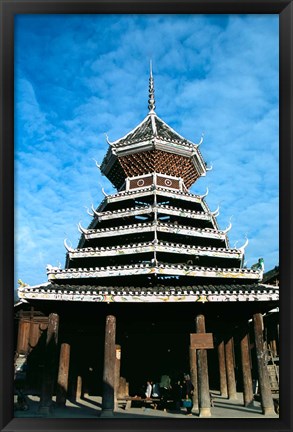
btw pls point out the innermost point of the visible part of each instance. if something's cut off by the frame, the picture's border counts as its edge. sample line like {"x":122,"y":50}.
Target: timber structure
{"x":152,"y":242}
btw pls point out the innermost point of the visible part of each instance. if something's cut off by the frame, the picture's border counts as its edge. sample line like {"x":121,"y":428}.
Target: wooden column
{"x":109,"y":367}
{"x":23,"y":336}
{"x":79,"y":393}
{"x":117,"y":373}
{"x":273,"y":345}
{"x":222,"y":369}
{"x":263,"y":376}
{"x":63,"y":373}
{"x":49,"y":364}
{"x":203,"y":377}
{"x":229,"y":355}
{"x":35,"y":333}
{"x":193,"y":377}
{"x":246,"y":370}
{"x":122,"y":392}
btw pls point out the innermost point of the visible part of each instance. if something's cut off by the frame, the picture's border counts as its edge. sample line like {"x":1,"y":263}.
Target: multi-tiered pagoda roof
{"x":153,"y":240}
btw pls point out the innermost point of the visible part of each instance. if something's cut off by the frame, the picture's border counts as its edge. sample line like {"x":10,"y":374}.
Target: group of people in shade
{"x":179,"y":392}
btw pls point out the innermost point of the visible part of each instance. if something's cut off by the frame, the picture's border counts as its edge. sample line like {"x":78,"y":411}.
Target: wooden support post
{"x":246,"y":370}
{"x":23,"y":336}
{"x":203,"y":377}
{"x":62,"y":382}
{"x":222,"y":370}
{"x":229,"y":355}
{"x":274,"y":348}
{"x":193,"y":376}
{"x":117,"y":373}
{"x":122,"y":387}
{"x":79,"y":393}
{"x":35,"y":332}
{"x":45,"y":406}
{"x":109,"y":367}
{"x":263,"y":377}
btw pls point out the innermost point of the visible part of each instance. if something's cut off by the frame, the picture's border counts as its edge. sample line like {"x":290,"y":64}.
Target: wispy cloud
{"x":216,"y":74}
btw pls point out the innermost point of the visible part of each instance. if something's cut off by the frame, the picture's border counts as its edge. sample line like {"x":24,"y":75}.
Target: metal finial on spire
{"x":151,"y":100}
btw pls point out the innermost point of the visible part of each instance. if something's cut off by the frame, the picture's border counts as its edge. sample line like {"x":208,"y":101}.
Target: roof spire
{"x":151,"y":100}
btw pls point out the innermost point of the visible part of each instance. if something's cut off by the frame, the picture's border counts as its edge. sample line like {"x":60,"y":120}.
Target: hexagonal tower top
{"x":153,"y":147}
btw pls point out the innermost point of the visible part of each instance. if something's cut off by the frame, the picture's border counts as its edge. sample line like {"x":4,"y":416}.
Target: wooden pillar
{"x":109,"y":367}
{"x":246,"y":370}
{"x":35,"y":332}
{"x":229,"y":355}
{"x":203,"y":377}
{"x":274,"y":348}
{"x":23,"y":336}
{"x":263,"y":376}
{"x":63,"y":373}
{"x":222,"y":369}
{"x":117,"y":373}
{"x":193,"y":377}
{"x":79,"y":393}
{"x":122,"y":392}
{"x":49,"y":364}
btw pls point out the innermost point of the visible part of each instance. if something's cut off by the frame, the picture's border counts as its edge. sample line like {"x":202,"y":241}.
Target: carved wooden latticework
{"x":160,"y":162}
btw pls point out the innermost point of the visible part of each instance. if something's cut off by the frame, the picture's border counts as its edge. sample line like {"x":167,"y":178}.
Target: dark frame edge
{"x":286,"y":203}
{"x":7,"y":219}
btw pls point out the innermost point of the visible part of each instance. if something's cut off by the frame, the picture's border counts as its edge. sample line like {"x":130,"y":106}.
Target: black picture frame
{"x":8,"y":9}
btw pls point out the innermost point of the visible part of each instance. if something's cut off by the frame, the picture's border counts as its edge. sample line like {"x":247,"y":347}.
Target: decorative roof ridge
{"x":142,"y":224}
{"x":157,"y":267}
{"x":150,"y":208}
{"x":159,"y":243}
{"x":175,"y":132}
{"x":154,"y":127}
{"x":113,"y":143}
{"x":142,"y":207}
{"x":166,"y":206}
{"x":154,"y":118}
{"x":222,"y":288}
{"x":22,"y":287}
{"x":269,"y":286}
{"x":156,"y":286}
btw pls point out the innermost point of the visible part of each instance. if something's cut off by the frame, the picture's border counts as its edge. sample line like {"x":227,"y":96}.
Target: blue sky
{"x":78,"y":77}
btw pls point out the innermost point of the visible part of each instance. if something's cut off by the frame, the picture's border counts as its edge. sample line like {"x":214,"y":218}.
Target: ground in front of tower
{"x":90,"y":407}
